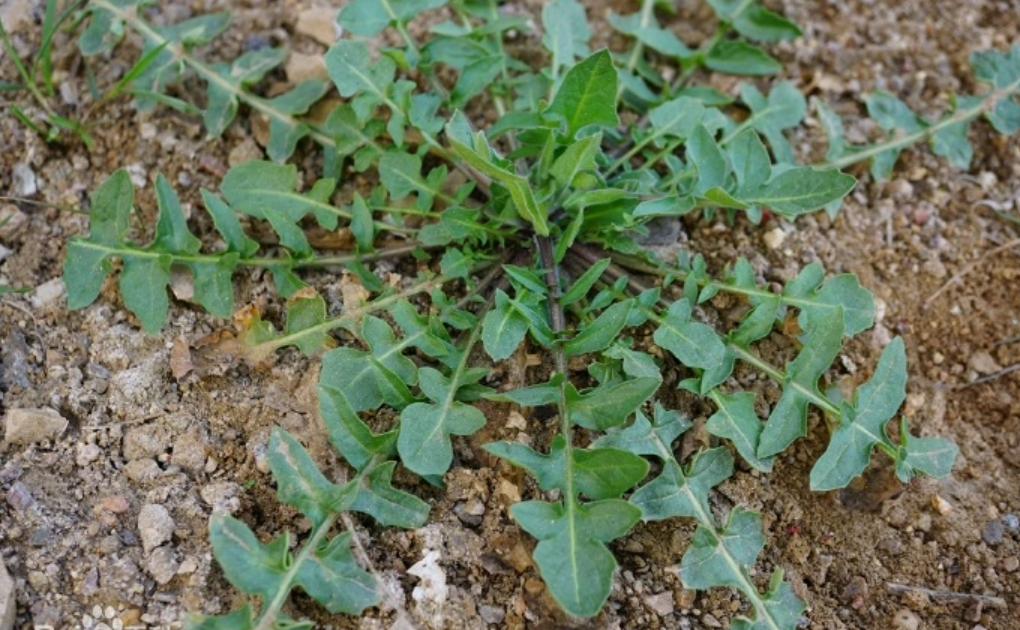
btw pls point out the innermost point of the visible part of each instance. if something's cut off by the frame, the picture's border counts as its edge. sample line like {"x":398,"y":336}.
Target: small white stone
{"x":905,"y":619}
{"x":774,"y":238}
{"x":87,"y":453}
{"x":23,"y":178}
{"x":155,"y":526}
{"x":319,"y":23}
{"x":47,"y":293}
{"x":662,"y":604}
{"x":7,"y":603}
{"x":983,"y":363}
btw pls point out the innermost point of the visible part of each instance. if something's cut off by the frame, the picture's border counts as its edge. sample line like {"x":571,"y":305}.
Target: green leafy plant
{"x":533,"y":243}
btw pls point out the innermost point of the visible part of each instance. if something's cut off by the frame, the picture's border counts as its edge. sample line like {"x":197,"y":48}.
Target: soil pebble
{"x":1012,"y":523}
{"x":19,"y":497}
{"x":905,"y":619}
{"x":491,"y":614}
{"x":28,"y":426}
{"x":154,"y":526}
{"x":7,"y":603}
{"x":992,"y":534}
{"x":661,"y":604}
{"x":163,"y":565}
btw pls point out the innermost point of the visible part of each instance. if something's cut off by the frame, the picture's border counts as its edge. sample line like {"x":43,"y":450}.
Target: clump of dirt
{"x":111,"y":510}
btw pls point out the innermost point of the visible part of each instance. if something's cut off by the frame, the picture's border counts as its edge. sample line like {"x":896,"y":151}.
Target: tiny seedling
{"x":526,"y":237}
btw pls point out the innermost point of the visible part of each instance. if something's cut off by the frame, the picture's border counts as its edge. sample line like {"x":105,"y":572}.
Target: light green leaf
{"x":571,"y":554}
{"x":705,"y":154}
{"x":802,"y":189}
{"x":391,"y":507}
{"x":693,"y":343}
{"x":254,"y":186}
{"x":172,"y":234}
{"x":578,"y":158}
{"x":751,"y":163}
{"x":740,"y":58}
{"x":284,"y":134}
{"x":737,"y":422}
{"x":143,"y":282}
{"x":332,"y":577}
{"x":676,"y":493}
{"x":347,"y":432}
{"x":816,"y":298}
{"x":643,"y":437}
{"x":475,"y":150}
{"x":863,"y":427}
{"x":758,"y":23}
{"x":253,"y":567}
{"x":228,"y":226}
{"x":720,"y":557}
{"x":788,"y":420}
{"x":503,"y":328}
{"x":603,"y":331}
{"x":784,"y":108}
{"x":587,"y":95}
{"x":425,"y":428}
{"x":929,"y":456}
{"x":598,"y":473}
{"x":609,"y":405}
{"x":676,"y":118}
{"x":566,"y":32}
{"x":400,"y":173}
{"x":583,"y":285}
{"x":299,"y":482}
{"x":349,"y":65}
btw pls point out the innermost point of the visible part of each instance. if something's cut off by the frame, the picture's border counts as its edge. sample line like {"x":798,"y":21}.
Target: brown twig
{"x":948,"y":596}
{"x":991,"y":377}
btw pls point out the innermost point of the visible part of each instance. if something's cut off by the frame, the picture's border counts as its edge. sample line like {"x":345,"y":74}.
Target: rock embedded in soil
{"x":154,"y":526}
{"x":774,"y":238}
{"x":7,"y":603}
{"x":856,"y":592}
{"x":28,"y":426}
{"x":47,"y":294}
{"x":224,"y":497}
{"x":23,"y":180}
{"x":661,"y":604}
{"x":992,"y":534}
{"x":983,"y":363}
{"x":148,"y":440}
{"x":905,"y":619}
{"x":19,"y":497}
{"x":319,"y":24}
{"x":491,"y":614}
{"x":1012,"y":523}
{"x":162,"y":564}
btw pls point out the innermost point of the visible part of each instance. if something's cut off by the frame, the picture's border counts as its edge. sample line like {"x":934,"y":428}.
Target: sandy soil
{"x":137,"y":436}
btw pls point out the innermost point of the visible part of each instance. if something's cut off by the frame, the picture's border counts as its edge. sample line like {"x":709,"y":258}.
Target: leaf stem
{"x":266,"y":347}
{"x":546,"y":252}
{"x":706,"y":519}
{"x":264,"y":262}
{"x":776,"y":374}
{"x":647,"y":11}
{"x":960,"y":116}
{"x":267,"y":616}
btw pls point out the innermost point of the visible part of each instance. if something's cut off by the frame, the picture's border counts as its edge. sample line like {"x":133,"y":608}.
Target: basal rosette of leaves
{"x":523,"y":235}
